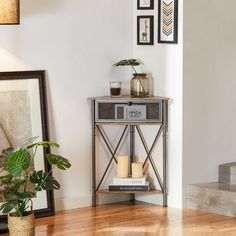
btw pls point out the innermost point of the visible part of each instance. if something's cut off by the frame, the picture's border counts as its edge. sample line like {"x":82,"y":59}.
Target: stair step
{"x":227,"y":173}
{"x":214,"y":197}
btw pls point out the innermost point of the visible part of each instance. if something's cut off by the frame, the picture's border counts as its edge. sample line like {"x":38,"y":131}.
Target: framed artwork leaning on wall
{"x":23,"y":115}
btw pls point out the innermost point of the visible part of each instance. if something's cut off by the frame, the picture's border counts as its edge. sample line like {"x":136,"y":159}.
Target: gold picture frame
{"x":9,"y":12}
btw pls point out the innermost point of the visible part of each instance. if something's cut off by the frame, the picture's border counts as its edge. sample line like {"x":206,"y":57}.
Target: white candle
{"x":137,"y":170}
{"x":123,"y":166}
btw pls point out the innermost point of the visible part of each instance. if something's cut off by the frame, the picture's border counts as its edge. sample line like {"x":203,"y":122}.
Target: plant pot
{"x":139,"y":85}
{"x":21,"y":226}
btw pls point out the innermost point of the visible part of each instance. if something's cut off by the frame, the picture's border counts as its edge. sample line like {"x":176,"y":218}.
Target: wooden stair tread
{"x":217,"y":186}
{"x":212,"y":197}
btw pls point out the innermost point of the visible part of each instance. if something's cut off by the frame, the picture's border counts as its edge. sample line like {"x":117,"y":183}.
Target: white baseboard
{"x":152,"y":199}
{"x":72,"y":203}
{"x":85,"y":201}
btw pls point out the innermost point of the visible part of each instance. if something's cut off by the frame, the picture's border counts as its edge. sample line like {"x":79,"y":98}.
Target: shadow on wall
{"x":10,"y":62}
{"x":40,"y":6}
{"x":151,"y":84}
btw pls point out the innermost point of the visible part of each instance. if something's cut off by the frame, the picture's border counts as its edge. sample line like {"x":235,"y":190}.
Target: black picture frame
{"x":141,"y":41}
{"x":40,"y":76}
{"x":150,"y":7}
{"x":170,"y":34}
{"x":17,"y":21}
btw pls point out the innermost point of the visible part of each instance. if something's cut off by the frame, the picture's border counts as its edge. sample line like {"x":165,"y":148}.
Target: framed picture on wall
{"x":23,"y":115}
{"x":145,"y":4}
{"x":9,"y":12}
{"x":168,"y":21}
{"x":145,"y":30}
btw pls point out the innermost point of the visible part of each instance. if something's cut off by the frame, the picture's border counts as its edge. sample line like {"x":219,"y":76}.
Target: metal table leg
{"x":93,"y":156}
{"x":165,"y":128}
{"x":132,"y":153}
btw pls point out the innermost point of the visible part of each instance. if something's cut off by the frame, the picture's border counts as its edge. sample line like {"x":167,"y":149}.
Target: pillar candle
{"x":137,"y":170}
{"x":123,"y":166}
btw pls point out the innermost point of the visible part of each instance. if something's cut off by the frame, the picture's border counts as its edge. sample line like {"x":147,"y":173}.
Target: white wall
{"x":164,"y":62}
{"x":209,"y":135}
{"x":77,"y":42}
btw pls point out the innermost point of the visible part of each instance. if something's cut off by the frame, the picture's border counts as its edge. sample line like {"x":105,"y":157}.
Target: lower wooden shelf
{"x":106,"y":191}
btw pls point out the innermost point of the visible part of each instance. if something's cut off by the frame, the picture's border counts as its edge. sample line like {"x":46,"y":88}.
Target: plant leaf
{"x":43,"y":181}
{"x":45,"y":144}
{"x":128,"y":62}
{"x":7,"y":152}
{"x":14,"y":191}
{"x":7,"y":179}
{"x":59,"y":161}
{"x":18,"y":162}
{"x":36,"y":177}
{"x":25,"y":195}
{"x":8,"y":207}
{"x":4,"y":156}
{"x":18,"y":184}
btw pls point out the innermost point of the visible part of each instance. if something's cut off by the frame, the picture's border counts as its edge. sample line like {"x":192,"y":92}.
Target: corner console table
{"x":131,"y":113}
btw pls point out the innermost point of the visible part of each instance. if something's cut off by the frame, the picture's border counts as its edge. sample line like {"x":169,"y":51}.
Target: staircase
{"x":218,"y":197}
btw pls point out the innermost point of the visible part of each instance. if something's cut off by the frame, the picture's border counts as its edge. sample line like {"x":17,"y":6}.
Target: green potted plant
{"x":139,"y":84}
{"x":20,"y":182}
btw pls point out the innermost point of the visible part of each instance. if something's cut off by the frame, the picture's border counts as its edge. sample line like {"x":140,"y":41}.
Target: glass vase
{"x":139,"y":85}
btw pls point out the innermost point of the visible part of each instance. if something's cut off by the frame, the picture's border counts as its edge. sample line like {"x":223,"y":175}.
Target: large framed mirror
{"x":23,"y":115}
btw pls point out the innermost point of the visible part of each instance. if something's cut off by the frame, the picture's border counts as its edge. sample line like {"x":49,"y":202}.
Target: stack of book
{"x":130,"y":184}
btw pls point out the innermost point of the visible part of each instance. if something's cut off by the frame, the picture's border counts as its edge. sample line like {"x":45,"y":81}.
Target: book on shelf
{"x":129,"y":181}
{"x":139,"y":188}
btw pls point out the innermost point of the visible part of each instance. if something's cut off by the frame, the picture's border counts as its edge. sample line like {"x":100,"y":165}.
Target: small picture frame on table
{"x":145,"y":30}
{"x":168,"y":21}
{"x":145,"y":4}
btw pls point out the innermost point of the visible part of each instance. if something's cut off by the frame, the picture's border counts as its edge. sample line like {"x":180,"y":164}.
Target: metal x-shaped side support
{"x":149,"y":152}
{"x":110,"y":150}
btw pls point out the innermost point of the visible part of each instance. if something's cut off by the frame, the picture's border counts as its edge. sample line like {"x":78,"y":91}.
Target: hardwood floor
{"x":127,"y":219}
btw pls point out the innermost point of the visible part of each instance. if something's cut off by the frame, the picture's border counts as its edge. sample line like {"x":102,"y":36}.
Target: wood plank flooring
{"x":129,"y":219}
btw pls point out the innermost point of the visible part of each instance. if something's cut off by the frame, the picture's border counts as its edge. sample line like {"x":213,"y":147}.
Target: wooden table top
{"x":128,"y":97}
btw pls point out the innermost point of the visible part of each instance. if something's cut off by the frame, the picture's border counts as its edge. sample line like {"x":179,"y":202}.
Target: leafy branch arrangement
{"x":20,"y":183}
{"x":129,"y":62}
{"x":133,"y":63}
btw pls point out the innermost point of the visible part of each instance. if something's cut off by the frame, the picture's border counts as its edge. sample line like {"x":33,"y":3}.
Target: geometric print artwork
{"x":168,"y":21}
{"x":167,"y":18}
